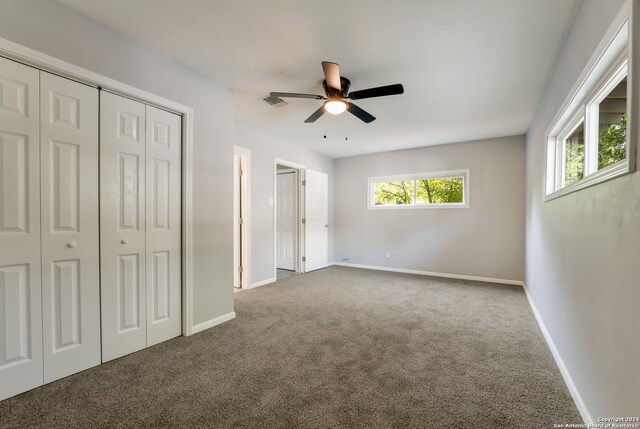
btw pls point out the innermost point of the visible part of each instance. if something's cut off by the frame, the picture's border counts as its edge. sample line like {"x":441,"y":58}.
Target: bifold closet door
{"x":140,"y":225}
{"x":122,"y":226}
{"x":163,"y":252}
{"x":21,"y":365}
{"x":69,"y":207}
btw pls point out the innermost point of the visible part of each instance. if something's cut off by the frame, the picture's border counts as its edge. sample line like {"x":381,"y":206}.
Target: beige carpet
{"x":339,"y":347}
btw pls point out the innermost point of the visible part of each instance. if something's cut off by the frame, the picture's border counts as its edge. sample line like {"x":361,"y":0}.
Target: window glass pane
{"x":612,"y":133}
{"x":574,"y":156}
{"x":393,"y":193}
{"x":440,"y":191}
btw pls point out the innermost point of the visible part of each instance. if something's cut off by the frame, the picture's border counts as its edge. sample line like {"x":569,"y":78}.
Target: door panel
{"x":317,"y":216}
{"x":286,"y":221}
{"x":163,"y":240}
{"x":69,"y":184}
{"x":122,"y":226}
{"x":20,"y":264}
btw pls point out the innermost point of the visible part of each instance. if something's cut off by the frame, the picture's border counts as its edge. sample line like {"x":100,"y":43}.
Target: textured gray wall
{"x":48,"y":27}
{"x":486,"y":239}
{"x":264,"y":150}
{"x":583,"y":250}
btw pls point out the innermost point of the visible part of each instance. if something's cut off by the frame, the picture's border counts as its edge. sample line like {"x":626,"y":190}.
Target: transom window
{"x":423,"y":190}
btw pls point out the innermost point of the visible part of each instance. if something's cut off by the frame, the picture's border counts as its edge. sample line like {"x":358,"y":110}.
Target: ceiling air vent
{"x":274,"y":101}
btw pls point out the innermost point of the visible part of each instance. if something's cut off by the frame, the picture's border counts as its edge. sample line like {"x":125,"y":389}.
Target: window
{"x":589,"y":142}
{"x":423,"y":190}
{"x":573,"y":148}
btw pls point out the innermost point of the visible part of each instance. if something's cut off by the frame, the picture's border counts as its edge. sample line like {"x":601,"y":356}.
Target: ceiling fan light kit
{"x":336,"y":90}
{"x":335,"y":106}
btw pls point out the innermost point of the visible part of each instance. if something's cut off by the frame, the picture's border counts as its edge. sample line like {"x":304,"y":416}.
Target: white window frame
{"x":408,"y":177}
{"x":614,"y":59}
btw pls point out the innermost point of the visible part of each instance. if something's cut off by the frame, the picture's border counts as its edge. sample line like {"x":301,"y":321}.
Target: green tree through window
{"x":394,"y":193}
{"x":419,"y":192}
{"x":445,"y":190}
{"x":612,"y":143}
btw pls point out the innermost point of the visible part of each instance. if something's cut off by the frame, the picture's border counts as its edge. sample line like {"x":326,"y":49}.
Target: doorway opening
{"x":241,"y":213}
{"x":300,"y":219}
{"x":287,"y":219}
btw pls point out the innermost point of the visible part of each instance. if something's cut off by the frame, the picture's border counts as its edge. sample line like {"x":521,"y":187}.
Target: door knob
{"x":124,"y":241}
{"x":71,"y":244}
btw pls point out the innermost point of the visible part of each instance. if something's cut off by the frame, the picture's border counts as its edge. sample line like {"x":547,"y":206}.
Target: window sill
{"x":611,"y":172}
{"x":421,"y":207}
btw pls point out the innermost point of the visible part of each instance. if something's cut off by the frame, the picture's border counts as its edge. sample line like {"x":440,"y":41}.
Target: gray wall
{"x":485,"y":240}
{"x":583,"y":250}
{"x":48,"y":27}
{"x":264,"y":150}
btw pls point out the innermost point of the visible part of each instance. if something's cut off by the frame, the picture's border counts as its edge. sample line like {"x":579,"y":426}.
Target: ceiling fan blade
{"x":360,"y":114}
{"x":315,"y":115}
{"x":332,"y":75}
{"x":296,"y":95}
{"x":379,"y":91}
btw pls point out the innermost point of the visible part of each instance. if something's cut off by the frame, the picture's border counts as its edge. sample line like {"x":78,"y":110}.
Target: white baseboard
{"x":582,"y":408}
{"x":213,"y":322}
{"x":262,"y":282}
{"x":429,"y":273}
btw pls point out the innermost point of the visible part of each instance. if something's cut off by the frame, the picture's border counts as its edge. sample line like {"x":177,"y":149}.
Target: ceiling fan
{"x":337,"y":92}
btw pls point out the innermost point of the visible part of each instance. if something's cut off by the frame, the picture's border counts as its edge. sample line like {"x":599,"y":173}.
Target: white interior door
{"x":21,"y":366}
{"x":69,"y":185}
{"x":317,"y":220}
{"x":286,"y":220}
{"x":163,"y":239}
{"x":122,"y":225}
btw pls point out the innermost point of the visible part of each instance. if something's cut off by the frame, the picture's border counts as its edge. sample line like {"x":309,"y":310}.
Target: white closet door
{"x":122,"y":226}
{"x":163,"y":196}
{"x":317,"y":220}
{"x":69,"y":207}
{"x":286,"y":220}
{"x":20,"y":283}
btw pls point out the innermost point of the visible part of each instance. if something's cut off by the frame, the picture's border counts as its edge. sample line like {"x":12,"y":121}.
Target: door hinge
{"x":304,"y":259}
{"x":240,"y":221}
{"x":240,"y":269}
{"x":304,"y":183}
{"x":304,"y":220}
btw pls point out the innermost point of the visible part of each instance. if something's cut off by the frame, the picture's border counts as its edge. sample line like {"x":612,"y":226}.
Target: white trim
{"x":577,"y":398}
{"x":432,"y":274}
{"x":53,"y":65}
{"x":213,"y":322}
{"x":263,"y":282}
{"x":289,"y":163}
{"x":607,"y":173}
{"x":466,"y":180}
{"x":246,"y":215}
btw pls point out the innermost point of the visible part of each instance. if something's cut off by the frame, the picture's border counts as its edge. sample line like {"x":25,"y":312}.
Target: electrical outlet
{"x":387,"y":255}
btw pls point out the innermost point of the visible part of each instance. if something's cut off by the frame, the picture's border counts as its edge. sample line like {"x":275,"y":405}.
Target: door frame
{"x":300,"y":174}
{"x":47,"y":63}
{"x":245,"y":213}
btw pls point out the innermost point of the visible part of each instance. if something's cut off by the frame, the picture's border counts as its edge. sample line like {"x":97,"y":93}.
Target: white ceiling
{"x":471,"y":69}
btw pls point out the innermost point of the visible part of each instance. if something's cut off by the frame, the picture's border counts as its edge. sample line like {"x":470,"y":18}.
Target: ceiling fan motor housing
{"x":332,"y":92}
